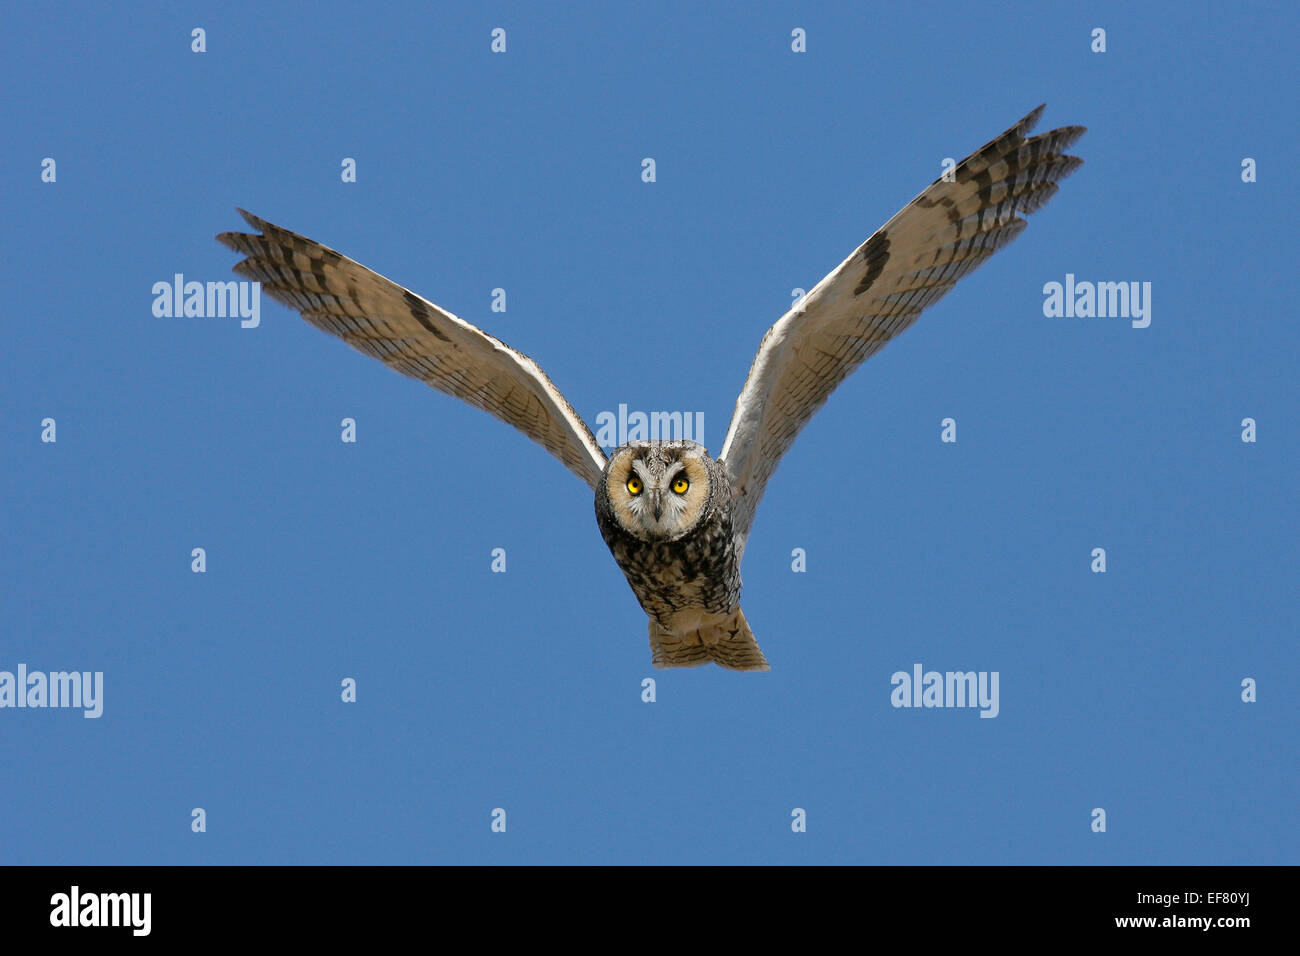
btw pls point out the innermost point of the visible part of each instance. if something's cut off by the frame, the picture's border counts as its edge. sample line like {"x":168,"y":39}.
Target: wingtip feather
{"x":1031,"y":118}
{"x":254,"y":221}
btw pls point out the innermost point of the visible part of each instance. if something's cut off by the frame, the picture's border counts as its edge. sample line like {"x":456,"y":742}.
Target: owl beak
{"x":657,"y":504}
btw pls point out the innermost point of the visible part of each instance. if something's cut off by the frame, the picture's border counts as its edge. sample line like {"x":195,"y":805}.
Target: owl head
{"x":660,"y":490}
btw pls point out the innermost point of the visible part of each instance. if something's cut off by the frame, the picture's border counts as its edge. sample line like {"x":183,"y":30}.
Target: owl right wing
{"x":378,"y":317}
{"x":879,"y":290}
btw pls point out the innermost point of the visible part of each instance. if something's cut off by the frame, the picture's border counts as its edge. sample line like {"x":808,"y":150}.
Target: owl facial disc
{"x":658,"y":490}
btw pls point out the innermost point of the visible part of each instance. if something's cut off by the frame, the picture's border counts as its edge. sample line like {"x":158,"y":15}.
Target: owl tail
{"x":727,"y":642}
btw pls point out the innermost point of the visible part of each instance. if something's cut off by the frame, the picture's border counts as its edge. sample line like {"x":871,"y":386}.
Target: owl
{"x":664,"y":510}
{"x":675,"y":519}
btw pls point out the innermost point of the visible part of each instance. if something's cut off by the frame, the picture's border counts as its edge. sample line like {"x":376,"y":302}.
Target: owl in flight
{"x":675,"y":519}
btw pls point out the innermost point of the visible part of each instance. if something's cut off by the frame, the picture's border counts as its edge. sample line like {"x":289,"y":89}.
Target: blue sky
{"x":476,"y":690}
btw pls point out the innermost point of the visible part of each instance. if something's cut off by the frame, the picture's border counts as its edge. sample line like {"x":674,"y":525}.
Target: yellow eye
{"x":680,"y":484}
{"x":634,"y":485}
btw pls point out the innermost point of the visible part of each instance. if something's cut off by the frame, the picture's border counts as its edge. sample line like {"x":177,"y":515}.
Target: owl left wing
{"x":379,"y":318}
{"x":879,"y":290}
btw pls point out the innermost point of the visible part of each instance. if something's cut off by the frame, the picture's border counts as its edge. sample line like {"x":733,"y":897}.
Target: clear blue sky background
{"x":523,"y":690}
